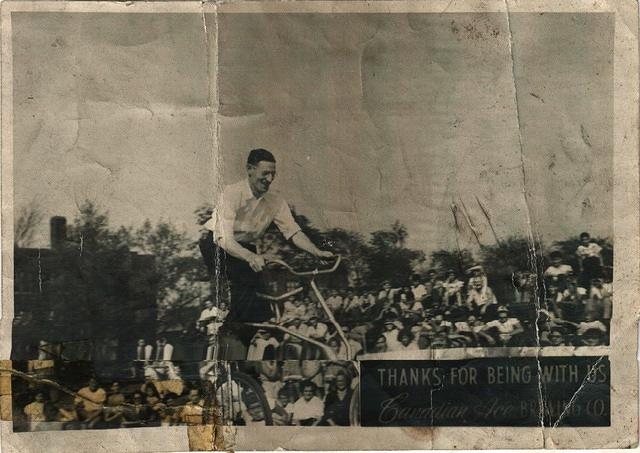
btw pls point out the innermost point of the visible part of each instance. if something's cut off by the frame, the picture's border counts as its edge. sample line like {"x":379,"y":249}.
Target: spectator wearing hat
{"x":259,"y":344}
{"x":480,"y":296}
{"x":391,"y":328}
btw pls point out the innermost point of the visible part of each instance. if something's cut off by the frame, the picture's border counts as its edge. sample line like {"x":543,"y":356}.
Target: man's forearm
{"x":233,"y":248}
{"x":301,"y":241}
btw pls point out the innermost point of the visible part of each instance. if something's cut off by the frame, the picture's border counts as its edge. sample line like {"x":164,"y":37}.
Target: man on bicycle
{"x":243,"y":214}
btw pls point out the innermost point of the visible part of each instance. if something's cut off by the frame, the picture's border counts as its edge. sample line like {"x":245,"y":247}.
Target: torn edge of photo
{"x":319,"y":225}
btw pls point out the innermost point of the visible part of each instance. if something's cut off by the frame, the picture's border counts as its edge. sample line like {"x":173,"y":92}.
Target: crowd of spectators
{"x":301,"y":393}
{"x":561,"y":307}
{"x":116,"y":405}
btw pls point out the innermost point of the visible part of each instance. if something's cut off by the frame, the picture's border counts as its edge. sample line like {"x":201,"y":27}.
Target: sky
{"x":372,"y":118}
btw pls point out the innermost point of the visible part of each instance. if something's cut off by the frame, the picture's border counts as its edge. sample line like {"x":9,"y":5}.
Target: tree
{"x":353,"y":249}
{"x":28,"y":219}
{"x":459,"y":260}
{"x":388,"y":257}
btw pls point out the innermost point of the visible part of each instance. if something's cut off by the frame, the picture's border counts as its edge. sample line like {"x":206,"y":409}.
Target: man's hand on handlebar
{"x":256,"y":262}
{"x":324,"y":254}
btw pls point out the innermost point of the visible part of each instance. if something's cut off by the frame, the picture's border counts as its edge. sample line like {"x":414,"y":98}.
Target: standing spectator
{"x":337,"y":403}
{"x":589,"y":259}
{"x":308,"y":410}
{"x":137,"y":413}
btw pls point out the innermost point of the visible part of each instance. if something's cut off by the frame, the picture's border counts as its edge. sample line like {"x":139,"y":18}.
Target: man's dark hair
{"x":585,"y":235}
{"x":308,"y":384}
{"x":258,"y":155}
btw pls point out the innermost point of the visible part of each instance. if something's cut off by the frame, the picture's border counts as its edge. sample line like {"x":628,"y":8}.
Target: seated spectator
{"x":282,"y":411}
{"x":600,"y":297}
{"x":308,"y":409}
{"x":589,"y":260}
{"x":315,"y":329}
{"x":294,"y":308}
{"x":380,"y":344}
{"x":557,"y":271}
{"x":34,"y":412}
{"x":480,"y":297}
{"x":192,"y":412}
{"x":337,"y":402}
{"x":591,"y":338}
{"x":555,"y":338}
{"x":590,"y":322}
{"x":507,"y":328}
{"x":406,"y":341}
{"x":440,"y":323}
{"x":89,"y":402}
{"x":391,"y":329}
{"x":334,"y":301}
{"x":452,"y":289}
{"x":477,"y":275}
{"x":137,"y":413}
{"x":524,"y":284}
{"x":570,"y":302}
{"x":387,"y":293}
{"x":259,"y":344}
{"x":418,"y":290}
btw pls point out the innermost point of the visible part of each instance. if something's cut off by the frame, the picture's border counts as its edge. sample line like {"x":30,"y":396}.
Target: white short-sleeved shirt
{"x":239,"y":214}
{"x":509,"y":326}
{"x":303,"y":409}
{"x":556,"y":271}
{"x":592,"y":250}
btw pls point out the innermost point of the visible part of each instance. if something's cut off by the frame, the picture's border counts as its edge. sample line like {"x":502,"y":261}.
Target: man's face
{"x":261,"y":176}
{"x":307,"y":393}
{"x":556,"y":261}
{"x":405,"y":340}
{"x":194,"y":396}
{"x":477,"y":285}
{"x":341,"y":382}
{"x":40,"y":397}
{"x":585,"y":240}
{"x":502,"y":316}
{"x":93,"y":385}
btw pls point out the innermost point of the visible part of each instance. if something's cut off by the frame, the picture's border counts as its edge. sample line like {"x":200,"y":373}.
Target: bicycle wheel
{"x":243,"y":398}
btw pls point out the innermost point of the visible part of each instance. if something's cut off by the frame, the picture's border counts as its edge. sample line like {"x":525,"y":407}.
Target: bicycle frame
{"x":321,"y":299}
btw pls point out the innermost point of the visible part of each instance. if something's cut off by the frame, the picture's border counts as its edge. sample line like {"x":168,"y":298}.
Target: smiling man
{"x":245,"y":211}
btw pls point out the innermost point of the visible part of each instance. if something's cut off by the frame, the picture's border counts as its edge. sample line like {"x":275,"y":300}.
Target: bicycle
{"x":328,"y":352}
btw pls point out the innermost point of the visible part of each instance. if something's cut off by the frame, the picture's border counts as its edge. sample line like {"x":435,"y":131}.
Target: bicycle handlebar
{"x":307,"y":273}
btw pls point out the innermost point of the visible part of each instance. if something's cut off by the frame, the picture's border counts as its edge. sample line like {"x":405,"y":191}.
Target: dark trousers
{"x":244,"y":307}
